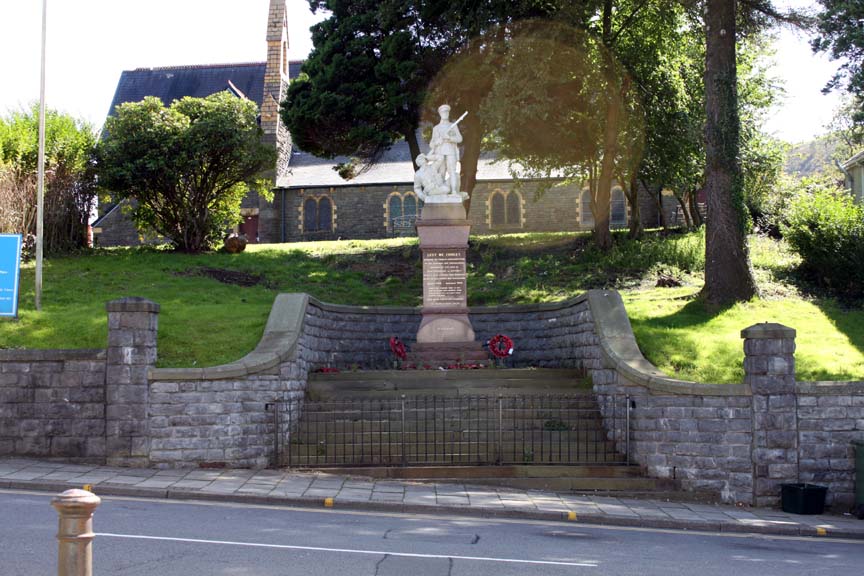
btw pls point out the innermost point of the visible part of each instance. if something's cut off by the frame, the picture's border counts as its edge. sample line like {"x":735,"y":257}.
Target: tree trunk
{"x":728,"y":276}
{"x":413,"y":145}
{"x":602,"y":194}
{"x":472,"y":136}
{"x":658,"y":200}
{"x":685,"y":210}
{"x":636,"y":227}
{"x":695,"y":215}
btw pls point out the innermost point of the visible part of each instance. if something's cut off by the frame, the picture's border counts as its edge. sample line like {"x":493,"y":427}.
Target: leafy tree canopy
{"x":840,"y":32}
{"x":186,"y":166}
{"x":70,"y":183}
{"x":68,"y":141}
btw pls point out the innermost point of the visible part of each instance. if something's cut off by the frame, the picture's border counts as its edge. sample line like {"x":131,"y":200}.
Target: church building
{"x":313,"y":202}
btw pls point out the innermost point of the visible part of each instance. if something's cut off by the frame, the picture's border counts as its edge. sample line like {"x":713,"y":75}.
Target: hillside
{"x":214,"y":306}
{"x":810,"y":157}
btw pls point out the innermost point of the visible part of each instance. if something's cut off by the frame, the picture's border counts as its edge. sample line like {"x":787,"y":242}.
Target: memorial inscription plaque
{"x":444,"y":277}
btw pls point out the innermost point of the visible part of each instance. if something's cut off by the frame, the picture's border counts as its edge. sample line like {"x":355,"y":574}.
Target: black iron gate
{"x":453,"y":430}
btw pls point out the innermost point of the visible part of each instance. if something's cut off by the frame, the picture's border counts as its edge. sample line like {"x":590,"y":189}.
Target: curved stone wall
{"x":736,"y":440}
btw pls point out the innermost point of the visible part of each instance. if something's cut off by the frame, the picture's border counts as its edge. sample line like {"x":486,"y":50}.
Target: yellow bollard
{"x":75,"y":532}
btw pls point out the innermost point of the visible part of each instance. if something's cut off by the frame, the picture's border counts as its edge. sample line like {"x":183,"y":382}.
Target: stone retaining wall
{"x":354,"y":337}
{"x":703,"y":442}
{"x":52,"y":404}
{"x":740,"y":441}
{"x":546,"y":335}
{"x":225,"y":415}
{"x":220,"y":422}
{"x":830,"y":417}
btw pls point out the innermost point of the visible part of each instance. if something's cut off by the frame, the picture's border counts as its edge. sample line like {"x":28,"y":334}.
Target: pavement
{"x":315,"y":489}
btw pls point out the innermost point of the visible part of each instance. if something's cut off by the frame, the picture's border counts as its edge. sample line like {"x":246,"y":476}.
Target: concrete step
{"x":625,"y":485}
{"x":570,"y":411}
{"x":323,"y":460}
{"x":338,"y":423}
{"x":506,"y":471}
{"x":449,"y":375}
{"x":386,"y":383}
{"x":477,"y":451}
{"x":490,"y":391}
{"x":528,"y":438}
{"x":603,"y":479}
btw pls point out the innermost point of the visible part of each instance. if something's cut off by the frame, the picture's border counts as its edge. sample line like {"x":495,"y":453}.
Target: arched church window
{"x":394,"y":209}
{"x":514,"y":209}
{"x":318,"y":214}
{"x":325,"y":215}
{"x":499,"y":209}
{"x":409,"y":205}
{"x":310,"y":215}
{"x":586,"y":215}
{"x":619,"y":208}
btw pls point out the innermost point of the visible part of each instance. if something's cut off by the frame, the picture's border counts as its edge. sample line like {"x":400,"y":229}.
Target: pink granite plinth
{"x":445,"y":333}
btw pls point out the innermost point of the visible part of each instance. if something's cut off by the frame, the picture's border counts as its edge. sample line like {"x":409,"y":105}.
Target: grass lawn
{"x":688,"y":341}
{"x":214,"y":306}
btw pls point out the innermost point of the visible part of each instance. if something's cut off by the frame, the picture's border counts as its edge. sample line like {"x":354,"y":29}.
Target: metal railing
{"x":453,"y":430}
{"x":404,"y":225}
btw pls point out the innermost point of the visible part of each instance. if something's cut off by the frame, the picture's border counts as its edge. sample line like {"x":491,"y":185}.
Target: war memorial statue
{"x":437,"y":179}
{"x":445,"y":336}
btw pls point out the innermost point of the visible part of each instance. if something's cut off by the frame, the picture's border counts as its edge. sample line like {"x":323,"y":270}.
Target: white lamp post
{"x":40,"y":188}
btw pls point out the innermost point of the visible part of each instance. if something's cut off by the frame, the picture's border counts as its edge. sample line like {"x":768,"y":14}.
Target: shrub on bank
{"x":826,"y":228}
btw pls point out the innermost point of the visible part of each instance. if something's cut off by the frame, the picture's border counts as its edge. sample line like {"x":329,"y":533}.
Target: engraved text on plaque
{"x":444,"y":283}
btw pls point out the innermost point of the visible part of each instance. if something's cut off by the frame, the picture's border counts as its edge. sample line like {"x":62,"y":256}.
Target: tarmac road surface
{"x":152,"y":537}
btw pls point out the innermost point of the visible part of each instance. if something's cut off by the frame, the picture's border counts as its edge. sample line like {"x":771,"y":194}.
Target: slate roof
{"x":174,"y":82}
{"x":306,"y":171}
{"x":856,"y":159}
{"x":394,"y":167}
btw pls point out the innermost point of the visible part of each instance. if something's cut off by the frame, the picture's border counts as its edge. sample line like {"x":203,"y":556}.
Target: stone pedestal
{"x":445,"y":335}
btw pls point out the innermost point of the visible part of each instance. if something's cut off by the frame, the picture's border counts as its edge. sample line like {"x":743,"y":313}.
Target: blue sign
{"x":10,"y":273}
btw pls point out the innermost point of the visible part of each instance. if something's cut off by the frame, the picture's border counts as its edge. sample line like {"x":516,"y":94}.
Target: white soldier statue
{"x":445,"y":145}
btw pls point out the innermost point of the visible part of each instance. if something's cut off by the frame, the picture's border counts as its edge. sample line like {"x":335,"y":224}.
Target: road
{"x":149,"y":537}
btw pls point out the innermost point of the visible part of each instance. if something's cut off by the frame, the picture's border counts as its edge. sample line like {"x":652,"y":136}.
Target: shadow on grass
{"x":847,"y":315}
{"x":848,"y":320}
{"x":681,"y":343}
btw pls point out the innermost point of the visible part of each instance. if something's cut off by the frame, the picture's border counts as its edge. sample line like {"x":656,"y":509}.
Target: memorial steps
{"x":522,"y":428}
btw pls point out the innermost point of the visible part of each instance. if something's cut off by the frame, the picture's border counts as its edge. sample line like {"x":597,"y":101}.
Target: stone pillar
{"x":132,"y":329}
{"x":769,"y":369}
{"x":75,"y":532}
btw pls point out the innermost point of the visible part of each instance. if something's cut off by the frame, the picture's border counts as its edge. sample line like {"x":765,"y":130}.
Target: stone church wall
{"x":360,"y":212}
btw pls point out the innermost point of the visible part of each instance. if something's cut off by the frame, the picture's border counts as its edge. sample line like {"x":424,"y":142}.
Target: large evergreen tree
{"x":728,"y":274}
{"x":360,"y":89}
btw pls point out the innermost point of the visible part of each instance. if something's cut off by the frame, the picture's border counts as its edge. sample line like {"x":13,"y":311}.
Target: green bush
{"x":70,"y":178}
{"x":774,"y":207}
{"x":826,"y":228}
